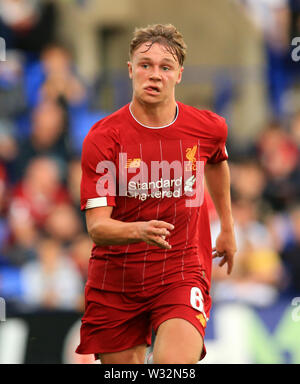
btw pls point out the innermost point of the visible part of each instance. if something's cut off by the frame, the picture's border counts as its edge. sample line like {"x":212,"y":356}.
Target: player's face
{"x":154,"y":73}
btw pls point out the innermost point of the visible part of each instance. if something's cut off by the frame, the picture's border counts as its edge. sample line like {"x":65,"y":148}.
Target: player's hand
{"x":155,"y":232}
{"x":226,"y":249}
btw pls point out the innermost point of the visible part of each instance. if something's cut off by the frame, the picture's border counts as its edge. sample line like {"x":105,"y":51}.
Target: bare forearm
{"x":114,"y":232}
{"x":106,"y":231}
{"x":218,"y":183}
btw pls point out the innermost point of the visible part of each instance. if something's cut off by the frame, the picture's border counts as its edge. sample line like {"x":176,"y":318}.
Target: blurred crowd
{"x":278,"y":23}
{"x":266,"y":175}
{"x":45,"y":112}
{"x":44,"y":116}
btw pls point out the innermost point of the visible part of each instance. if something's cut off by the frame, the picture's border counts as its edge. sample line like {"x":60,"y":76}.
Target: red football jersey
{"x":152,"y":174}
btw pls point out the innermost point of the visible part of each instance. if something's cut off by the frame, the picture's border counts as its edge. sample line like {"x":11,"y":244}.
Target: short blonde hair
{"x":166,"y":35}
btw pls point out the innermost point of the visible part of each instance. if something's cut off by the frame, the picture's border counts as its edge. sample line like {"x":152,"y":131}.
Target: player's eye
{"x":166,"y":68}
{"x":145,"y":66}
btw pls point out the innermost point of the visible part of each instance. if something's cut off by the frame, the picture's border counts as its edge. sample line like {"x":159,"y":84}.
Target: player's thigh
{"x":134,"y":355}
{"x":114,"y":327}
{"x":179,"y":316}
{"x":177,"y":342}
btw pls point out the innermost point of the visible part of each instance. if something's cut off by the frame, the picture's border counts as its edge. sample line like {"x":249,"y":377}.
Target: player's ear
{"x":129,"y":64}
{"x":180,"y":75}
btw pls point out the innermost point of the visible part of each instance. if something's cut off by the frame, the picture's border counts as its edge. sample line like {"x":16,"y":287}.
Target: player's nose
{"x":155,"y":74}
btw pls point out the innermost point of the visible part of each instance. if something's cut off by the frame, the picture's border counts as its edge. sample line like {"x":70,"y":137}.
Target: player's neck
{"x":157,"y":115}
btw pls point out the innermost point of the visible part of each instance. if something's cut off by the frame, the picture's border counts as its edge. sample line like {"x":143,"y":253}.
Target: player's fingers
{"x":217,"y":253}
{"x":160,"y":242}
{"x":163,"y":224}
{"x":229,"y":264}
{"x":160,"y":232}
{"x":223,"y":261}
{"x":229,"y":260}
{"x":162,"y":245}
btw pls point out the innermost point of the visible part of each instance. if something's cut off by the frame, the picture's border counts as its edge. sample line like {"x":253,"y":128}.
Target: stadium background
{"x":65,"y":69}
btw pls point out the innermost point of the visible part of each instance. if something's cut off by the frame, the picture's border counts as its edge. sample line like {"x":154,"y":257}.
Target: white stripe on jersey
{"x":105,"y":269}
{"x":164,"y":264}
{"x":124,"y":267}
{"x":198,"y":187}
{"x":183,"y":252}
{"x":138,"y":215}
{"x":157,"y":213}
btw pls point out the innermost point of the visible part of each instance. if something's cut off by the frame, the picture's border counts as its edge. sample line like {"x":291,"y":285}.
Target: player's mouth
{"x":153,"y":90}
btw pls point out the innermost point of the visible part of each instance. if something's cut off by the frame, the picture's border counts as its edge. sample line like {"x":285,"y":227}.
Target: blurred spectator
{"x":53,"y":280}
{"x":3,"y":189}
{"x":272,"y":18}
{"x":279,"y":227}
{"x":63,"y":223}
{"x":291,"y":252}
{"x":8,"y":142}
{"x":80,"y":252}
{"x":48,"y":138}
{"x":295,"y":129}
{"x":12,"y":92}
{"x":257,"y":272}
{"x":27,"y":24}
{"x":39,"y":191}
{"x":61,"y":82}
{"x":55,"y":78}
{"x":74,"y":180}
{"x":279,"y":157}
{"x":23,"y":238}
{"x":248,"y":179}
{"x":4,"y":231}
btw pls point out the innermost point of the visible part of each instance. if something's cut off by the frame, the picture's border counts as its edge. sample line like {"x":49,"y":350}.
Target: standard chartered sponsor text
{"x":159,"y":180}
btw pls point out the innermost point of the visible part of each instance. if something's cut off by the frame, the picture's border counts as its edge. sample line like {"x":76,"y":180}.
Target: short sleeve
{"x":220,"y":152}
{"x":98,"y":164}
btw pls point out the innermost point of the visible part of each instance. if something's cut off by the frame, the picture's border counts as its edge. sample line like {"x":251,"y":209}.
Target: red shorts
{"x":114,"y":322}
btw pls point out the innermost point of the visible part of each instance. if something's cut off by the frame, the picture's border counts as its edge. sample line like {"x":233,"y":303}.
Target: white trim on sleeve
{"x":96,"y":203}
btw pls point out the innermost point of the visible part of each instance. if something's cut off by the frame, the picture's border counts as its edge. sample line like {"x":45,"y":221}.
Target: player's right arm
{"x":100,"y":146}
{"x":104,"y":230}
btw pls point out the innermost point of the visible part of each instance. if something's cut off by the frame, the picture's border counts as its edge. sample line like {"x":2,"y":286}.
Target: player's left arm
{"x":217,"y":177}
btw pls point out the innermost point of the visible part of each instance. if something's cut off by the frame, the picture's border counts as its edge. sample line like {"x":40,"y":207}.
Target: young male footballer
{"x":142,"y":189}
